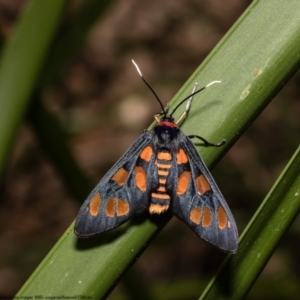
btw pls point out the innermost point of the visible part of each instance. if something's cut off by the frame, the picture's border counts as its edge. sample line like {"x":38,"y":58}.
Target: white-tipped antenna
{"x":148,"y":85}
{"x":137,"y":68}
{"x":213,"y":82}
{"x":189,"y":98}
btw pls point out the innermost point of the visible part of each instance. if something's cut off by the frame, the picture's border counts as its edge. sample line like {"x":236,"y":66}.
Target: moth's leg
{"x":188,"y":105}
{"x":156,"y":116}
{"x":206,"y":143}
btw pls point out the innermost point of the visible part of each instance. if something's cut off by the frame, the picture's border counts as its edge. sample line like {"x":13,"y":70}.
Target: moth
{"x":162,"y":171}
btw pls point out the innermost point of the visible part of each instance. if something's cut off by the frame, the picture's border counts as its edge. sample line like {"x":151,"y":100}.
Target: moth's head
{"x":168,"y":119}
{"x":166,"y":134}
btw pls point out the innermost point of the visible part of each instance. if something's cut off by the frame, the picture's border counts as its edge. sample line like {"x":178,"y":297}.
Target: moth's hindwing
{"x":197,"y":200}
{"x":122,"y":192}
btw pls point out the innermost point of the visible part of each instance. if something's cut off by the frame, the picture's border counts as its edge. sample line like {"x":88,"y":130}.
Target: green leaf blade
{"x":260,"y":238}
{"x":21,"y":61}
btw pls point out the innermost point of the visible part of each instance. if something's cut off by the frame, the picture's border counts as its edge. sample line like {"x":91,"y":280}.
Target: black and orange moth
{"x":161,"y":171}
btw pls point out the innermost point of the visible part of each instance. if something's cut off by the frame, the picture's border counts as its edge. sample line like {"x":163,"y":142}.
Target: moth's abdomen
{"x":160,"y":199}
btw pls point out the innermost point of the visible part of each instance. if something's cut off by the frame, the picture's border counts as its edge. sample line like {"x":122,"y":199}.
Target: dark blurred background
{"x":103,"y":106}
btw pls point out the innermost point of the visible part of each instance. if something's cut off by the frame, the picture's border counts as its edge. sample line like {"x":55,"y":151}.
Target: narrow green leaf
{"x":72,"y":37}
{"x":21,"y":61}
{"x":260,"y":238}
{"x":253,"y":64}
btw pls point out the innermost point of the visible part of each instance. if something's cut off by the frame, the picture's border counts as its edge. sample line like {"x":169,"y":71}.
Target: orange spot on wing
{"x":120,"y":176}
{"x":202,"y":185}
{"x":140,"y":178}
{"x":164,"y":155}
{"x":160,"y":196}
{"x":229,"y":224}
{"x":146,"y":154}
{"x":110,"y":208}
{"x":122,"y":207}
{"x":157,"y":208}
{"x":95,"y":204}
{"x":195,"y":215}
{"x":207,"y":217}
{"x":183,"y":182}
{"x":222,"y":217}
{"x":181,"y":157}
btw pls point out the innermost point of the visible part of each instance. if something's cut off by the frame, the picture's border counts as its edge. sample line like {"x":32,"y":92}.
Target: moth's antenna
{"x":148,"y":85}
{"x":188,"y":97}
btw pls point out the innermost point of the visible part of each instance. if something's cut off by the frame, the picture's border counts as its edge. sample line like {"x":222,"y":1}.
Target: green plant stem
{"x":21,"y":62}
{"x":260,"y":238}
